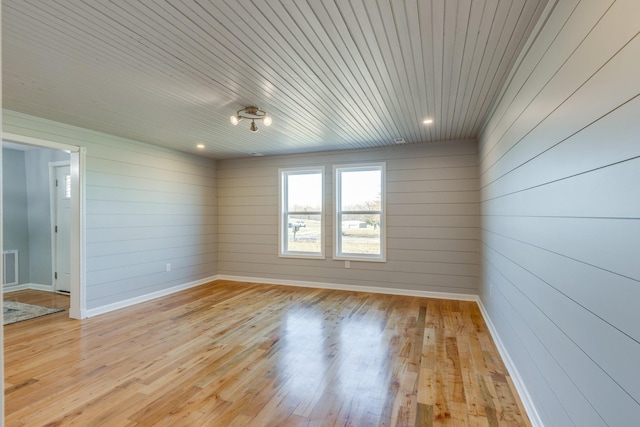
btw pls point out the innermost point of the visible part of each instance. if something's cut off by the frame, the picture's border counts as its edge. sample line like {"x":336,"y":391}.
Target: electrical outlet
{"x":347,"y":264}
{"x":167,"y":268}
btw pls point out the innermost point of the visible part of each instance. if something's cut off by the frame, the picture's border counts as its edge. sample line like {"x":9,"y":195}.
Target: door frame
{"x":77,"y":162}
{"x":53,"y":205}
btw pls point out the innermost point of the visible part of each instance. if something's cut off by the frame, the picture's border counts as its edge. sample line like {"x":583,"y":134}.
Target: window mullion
{"x":305,"y":213}
{"x":361,"y":212}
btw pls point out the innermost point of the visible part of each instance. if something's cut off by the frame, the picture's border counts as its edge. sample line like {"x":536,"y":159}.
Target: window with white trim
{"x":360,"y":217}
{"x":301,"y":216}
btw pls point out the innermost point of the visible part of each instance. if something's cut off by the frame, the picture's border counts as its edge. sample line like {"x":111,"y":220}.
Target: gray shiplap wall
{"x":432,"y":219}
{"x":560,"y":206}
{"x":146,"y":206}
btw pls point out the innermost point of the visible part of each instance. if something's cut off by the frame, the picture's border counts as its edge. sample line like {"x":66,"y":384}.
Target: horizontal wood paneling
{"x":405,"y":186}
{"x":429,"y":209}
{"x":580,"y":282}
{"x":141,"y":245}
{"x":148,"y":185}
{"x":182,"y":173}
{"x":105,"y":263}
{"x":559,"y":202}
{"x":145,"y":207}
{"x":445,"y":197}
{"x":415,"y":255}
{"x":453,"y":245}
{"x":158,"y":219}
{"x":111,"y":271}
{"x":111,"y":193}
{"x":578,"y":322}
{"x":248,"y":202}
{"x":574,"y":237}
{"x":469,"y":172}
{"x":546,"y":166}
{"x":417,"y":266}
{"x":573,"y":82}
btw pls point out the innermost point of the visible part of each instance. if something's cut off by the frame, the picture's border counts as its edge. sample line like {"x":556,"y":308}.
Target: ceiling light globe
{"x":234,"y":120}
{"x":253,"y":127}
{"x":267,"y":120}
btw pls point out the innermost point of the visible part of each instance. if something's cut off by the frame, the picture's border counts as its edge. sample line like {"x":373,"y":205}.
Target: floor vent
{"x":10,"y":267}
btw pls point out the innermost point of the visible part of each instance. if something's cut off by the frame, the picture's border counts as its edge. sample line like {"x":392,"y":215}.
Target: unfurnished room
{"x":320,"y":213}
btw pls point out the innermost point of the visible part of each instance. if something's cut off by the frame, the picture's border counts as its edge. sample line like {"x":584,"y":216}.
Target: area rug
{"x":14,"y":311}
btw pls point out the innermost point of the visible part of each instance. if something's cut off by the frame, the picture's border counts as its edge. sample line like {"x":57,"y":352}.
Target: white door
{"x":62,"y":211}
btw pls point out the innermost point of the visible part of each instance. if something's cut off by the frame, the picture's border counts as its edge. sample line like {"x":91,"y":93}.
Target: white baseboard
{"x":14,"y":288}
{"x":148,"y":297}
{"x":37,"y":287}
{"x":321,"y":285}
{"x":25,"y":286}
{"x":353,"y":288}
{"x":534,"y":417}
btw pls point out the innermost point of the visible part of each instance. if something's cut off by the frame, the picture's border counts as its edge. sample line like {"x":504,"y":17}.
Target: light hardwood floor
{"x":240,"y":354}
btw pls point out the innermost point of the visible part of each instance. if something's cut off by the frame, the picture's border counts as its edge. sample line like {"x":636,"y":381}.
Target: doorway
{"x":73,"y":186}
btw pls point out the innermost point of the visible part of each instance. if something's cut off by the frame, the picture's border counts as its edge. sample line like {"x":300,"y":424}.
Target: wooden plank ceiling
{"x":334,"y":74}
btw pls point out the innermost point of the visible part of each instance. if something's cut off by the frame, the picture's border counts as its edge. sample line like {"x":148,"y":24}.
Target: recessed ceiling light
{"x":399,"y":141}
{"x":427,"y":121}
{"x":200,"y":146}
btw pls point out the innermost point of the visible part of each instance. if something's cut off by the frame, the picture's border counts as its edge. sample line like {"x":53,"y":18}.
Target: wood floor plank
{"x":241,"y":354}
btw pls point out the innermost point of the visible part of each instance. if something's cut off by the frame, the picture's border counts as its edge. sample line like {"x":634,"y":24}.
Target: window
{"x":360,"y":219}
{"x":301,"y":219}
{"x":67,"y":186}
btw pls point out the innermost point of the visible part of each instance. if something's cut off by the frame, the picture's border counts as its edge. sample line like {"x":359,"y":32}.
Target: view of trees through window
{"x":358,"y":223}
{"x":303,"y":211}
{"x":359,"y":211}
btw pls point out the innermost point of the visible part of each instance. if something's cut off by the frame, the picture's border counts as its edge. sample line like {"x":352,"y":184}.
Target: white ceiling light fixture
{"x":427,"y":121}
{"x":253,"y":114}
